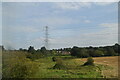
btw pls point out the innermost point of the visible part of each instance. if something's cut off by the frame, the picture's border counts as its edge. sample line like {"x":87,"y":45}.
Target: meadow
{"x":17,"y":65}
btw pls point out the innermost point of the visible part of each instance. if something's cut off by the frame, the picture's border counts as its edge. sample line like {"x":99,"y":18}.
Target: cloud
{"x":109,"y":25}
{"x":54,"y":21}
{"x":72,"y":5}
{"x":79,"y":5}
{"x":60,"y":36}
{"x":60,"y":0}
{"x":108,"y":35}
{"x":26,"y":29}
{"x":103,"y":3}
{"x":110,"y":29}
{"x":87,"y":21}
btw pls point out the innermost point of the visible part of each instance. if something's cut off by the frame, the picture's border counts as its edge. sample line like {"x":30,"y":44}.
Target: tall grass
{"x":16,"y":65}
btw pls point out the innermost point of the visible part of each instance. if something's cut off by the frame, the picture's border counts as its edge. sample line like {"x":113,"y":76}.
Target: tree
{"x":83,"y":53}
{"x":116,"y":48}
{"x":91,"y":52}
{"x":54,"y":52}
{"x":110,"y":52}
{"x":43,"y":49}
{"x":31,"y":50}
{"x":75,"y":51}
{"x":79,"y":52}
{"x":98,"y":53}
{"x":20,"y":49}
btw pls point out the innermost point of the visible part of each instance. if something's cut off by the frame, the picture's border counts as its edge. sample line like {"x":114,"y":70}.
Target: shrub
{"x":23,"y":69}
{"x":59,"y":64}
{"x":90,"y":61}
{"x":53,"y":59}
{"x":34,"y":56}
{"x":56,"y":59}
{"x":18,"y":71}
{"x":16,"y":65}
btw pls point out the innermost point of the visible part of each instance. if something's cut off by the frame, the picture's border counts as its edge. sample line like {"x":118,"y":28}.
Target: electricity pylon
{"x":46,"y":38}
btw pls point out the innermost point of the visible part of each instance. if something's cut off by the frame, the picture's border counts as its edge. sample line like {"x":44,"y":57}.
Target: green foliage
{"x":34,"y":56}
{"x":57,"y":58}
{"x":31,"y":50}
{"x":54,"y":52}
{"x":95,"y":51}
{"x":23,"y":69}
{"x":70,"y":69}
{"x":53,"y":59}
{"x":79,"y":52}
{"x":91,"y":52}
{"x":38,"y":63}
{"x":16,"y":65}
{"x":83,"y":53}
{"x":59,"y":64}
{"x":75,"y":51}
{"x":110,"y":52}
{"x":43,"y":50}
{"x":98,"y":53}
{"x":90,"y":61}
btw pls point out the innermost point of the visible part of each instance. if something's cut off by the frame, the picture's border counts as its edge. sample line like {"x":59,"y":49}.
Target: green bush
{"x":59,"y":64}
{"x":19,"y":71}
{"x":56,"y":59}
{"x":53,"y":59}
{"x":34,"y":56}
{"x":90,"y":61}
{"x":16,"y":65}
{"x":23,"y":69}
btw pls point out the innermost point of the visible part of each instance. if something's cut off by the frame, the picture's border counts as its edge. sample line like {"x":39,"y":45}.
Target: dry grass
{"x":108,"y":61}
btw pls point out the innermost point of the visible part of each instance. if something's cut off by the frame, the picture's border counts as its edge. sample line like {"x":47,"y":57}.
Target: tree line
{"x":81,"y":52}
{"x":95,"y":51}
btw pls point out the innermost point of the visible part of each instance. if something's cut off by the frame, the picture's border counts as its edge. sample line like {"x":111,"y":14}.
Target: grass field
{"x":104,"y":67}
{"x":74,"y":70}
{"x":15,"y":62}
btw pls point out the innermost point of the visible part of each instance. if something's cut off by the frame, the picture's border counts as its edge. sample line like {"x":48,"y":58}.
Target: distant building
{"x":63,"y":52}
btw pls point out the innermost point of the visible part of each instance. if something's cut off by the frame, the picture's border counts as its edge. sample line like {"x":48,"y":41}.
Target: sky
{"x":69,"y":24}
{"x":0,"y":23}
